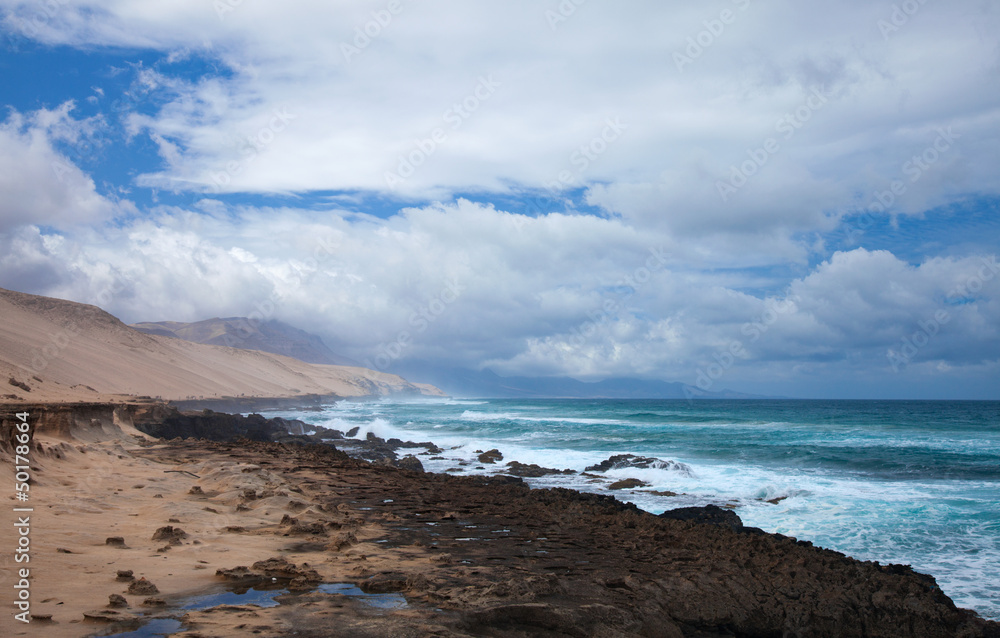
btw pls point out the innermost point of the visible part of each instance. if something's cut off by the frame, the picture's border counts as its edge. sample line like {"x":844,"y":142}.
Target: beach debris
{"x":627,"y":484}
{"x":491,"y":456}
{"x":622,"y":461}
{"x":142,"y":587}
{"x":117,"y":600}
{"x":183,"y":472}
{"x":63,"y":550}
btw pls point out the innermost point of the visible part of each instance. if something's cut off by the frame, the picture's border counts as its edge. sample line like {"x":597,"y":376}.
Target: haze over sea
{"x":912,"y":482}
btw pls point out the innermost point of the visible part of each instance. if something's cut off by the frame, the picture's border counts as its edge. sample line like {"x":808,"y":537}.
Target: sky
{"x":781,"y":198}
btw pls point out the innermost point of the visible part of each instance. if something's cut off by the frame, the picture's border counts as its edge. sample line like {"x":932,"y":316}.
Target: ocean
{"x":911,"y":482}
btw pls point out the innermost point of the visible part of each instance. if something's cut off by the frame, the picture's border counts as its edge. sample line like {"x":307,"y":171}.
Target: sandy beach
{"x":361,"y":549}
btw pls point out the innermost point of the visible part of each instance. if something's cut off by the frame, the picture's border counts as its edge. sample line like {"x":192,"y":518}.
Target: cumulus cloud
{"x":718,"y":149}
{"x":38,"y":183}
{"x":408,"y":97}
{"x":470,"y":285}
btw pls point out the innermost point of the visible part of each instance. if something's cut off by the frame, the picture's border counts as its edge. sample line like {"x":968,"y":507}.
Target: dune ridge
{"x":56,"y":350}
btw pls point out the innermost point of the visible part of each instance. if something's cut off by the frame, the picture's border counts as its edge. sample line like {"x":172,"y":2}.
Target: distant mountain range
{"x":272,"y":336}
{"x":487,"y":384}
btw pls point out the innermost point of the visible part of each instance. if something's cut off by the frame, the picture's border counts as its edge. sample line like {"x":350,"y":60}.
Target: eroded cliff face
{"x":74,"y":422}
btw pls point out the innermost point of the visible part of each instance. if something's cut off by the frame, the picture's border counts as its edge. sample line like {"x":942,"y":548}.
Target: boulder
{"x":707,"y":515}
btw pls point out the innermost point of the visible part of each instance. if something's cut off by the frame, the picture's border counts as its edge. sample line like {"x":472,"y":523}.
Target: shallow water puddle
{"x":263,"y":598}
{"x":380,"y":601}
{"x":154,"y":628}
{"x":260,"y":598}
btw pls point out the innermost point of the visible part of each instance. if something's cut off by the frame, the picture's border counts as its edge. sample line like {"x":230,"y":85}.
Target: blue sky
{"x":768,"y":197}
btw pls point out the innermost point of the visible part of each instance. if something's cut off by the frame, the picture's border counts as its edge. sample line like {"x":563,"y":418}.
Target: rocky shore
{"x":137,"y":524}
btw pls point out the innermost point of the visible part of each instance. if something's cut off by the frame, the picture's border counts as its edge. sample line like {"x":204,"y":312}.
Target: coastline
{"x":489,"y":553}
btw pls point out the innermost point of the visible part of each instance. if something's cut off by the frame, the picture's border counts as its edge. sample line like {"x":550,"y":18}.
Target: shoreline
{"x":518,"y":559}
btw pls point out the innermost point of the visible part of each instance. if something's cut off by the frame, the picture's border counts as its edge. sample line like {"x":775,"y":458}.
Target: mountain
{"x":272,"y":336}
{"x":470,"y":383}
{"x":53,"y":350}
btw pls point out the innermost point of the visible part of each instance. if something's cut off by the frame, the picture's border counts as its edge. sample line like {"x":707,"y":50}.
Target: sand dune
{"x":66,"y":351}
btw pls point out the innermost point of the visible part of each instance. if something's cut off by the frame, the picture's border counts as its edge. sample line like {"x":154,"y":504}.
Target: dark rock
{"x":384,"y":584}
{"x":108,"y":615}
{"x":492,"y":456}
{"x":125,"y":575}
{"x":142,"y":587}
{"x":532,"y":470}
{"x":342,"y":540}
{"x":154,"y":602}
{"x":708,"y":515}
{"x":627,"y":484}
{"x":169,"y":533}
{"x":409,"y":462}
{"x":117,"y":600}
{"x":115,"y":541}
{"x":307,"y":529}
{"x":620,"y":461}
{"x":213,"y":426}
{"x":279,"y":568}
{"x":531,"y":618}
{"x":353,"y":432}
{"x":240,"y":573}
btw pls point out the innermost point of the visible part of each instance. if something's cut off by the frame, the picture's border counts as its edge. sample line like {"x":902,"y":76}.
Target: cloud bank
{"x":718,"y":194}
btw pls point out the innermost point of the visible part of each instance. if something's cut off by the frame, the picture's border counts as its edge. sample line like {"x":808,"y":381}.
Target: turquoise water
{"x":913,"y":482}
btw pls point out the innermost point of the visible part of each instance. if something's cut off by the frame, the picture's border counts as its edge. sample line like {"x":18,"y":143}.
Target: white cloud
{"x":40,"y":185}
{"x":351,"y":120}
{"x":559,"y":294}
{"x":497,"y":99}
